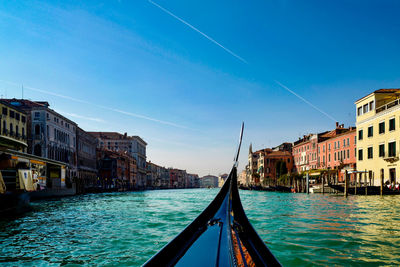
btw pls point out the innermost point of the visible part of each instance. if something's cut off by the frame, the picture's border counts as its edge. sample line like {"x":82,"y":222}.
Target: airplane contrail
{"x":99,"y":106}
{"x":197,"y":30}
{"x":238,"y":57}
{"x":305,"y":101}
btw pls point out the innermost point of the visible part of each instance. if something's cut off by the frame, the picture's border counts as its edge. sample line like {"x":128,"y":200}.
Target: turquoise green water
{"x":128,"y":228}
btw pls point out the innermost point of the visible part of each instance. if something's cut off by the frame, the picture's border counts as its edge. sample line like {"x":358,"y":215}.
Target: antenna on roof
{"x":22,"y":91}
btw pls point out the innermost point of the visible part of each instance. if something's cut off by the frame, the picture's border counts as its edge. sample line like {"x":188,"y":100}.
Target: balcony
{"x":387,"y":106}
{"x":391,"y":157}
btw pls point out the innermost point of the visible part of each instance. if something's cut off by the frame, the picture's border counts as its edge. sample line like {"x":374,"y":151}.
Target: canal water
{"x":128,"y":228}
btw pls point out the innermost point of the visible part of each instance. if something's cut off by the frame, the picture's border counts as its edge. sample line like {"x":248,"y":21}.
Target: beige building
{"x":378,"y":135}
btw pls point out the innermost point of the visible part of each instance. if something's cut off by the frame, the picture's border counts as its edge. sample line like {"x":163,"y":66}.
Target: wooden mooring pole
{"x":366,"y":183}
{"x":346,"y":184}
{"x":323,"y":183}
{"x":308,"y":183}
{"x":382,"y":182}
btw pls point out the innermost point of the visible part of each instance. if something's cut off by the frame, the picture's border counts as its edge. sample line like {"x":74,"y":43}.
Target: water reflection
{"x":128,"y":228}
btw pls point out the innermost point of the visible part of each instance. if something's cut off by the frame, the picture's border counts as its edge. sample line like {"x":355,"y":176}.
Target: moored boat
{"x":220,"y":236}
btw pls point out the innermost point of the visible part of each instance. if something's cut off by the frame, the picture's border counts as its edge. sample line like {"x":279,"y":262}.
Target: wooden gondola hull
{"x":220,"y":236}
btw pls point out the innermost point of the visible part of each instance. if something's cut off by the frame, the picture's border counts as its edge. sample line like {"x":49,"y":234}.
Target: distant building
{"x":265,"y":165}
{"x":177,"y":178}
{"x":116,"y":170}
{"x":86,"y":155}
{"x":305,"y":152}
{"x":192,"y":180}
{"x":221,"y":179}
{"x":133,"y":145}
{"x":274,"y":164}
{"x":338,"y":150}
{"x":209,"y":181}
{"x":284,"y":147}
{"x":242,"y":179}
{"x":252,"y":167}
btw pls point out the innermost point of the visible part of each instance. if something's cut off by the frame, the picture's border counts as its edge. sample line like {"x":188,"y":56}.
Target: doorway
{"x":392,"y":175}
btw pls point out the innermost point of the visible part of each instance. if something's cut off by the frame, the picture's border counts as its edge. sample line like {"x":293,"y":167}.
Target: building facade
{"x":86,"y":160}
{"x":50,"y":135}
{"x":378,"y":135}
{"x":338,"y":151}
{"x":132,"y":145}
{"x":13,"y":127}
{"x":116,"y":170}
{"x":209,"y":181}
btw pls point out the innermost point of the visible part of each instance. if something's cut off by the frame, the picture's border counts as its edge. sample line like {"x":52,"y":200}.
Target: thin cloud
{"x":82,"y":117}
{"x":305,"y":101}
{"x":197,"y":30}
{"x":99,"y":106}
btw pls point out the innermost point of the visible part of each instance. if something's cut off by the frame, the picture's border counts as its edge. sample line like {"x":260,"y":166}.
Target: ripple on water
{"x":128,"y":228}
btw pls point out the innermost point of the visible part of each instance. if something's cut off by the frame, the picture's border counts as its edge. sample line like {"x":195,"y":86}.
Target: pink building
{"x":338,"y":151}
{"x":305,"y":152}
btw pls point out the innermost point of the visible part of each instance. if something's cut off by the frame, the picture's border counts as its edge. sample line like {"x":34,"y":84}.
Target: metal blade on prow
{"x":236,"y":159}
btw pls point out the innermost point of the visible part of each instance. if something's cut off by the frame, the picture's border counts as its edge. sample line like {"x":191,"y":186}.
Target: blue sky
{"x":129,"y":66}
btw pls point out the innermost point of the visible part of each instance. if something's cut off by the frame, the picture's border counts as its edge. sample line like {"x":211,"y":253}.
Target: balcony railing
{"x":387,"y":106}
{"x":391,"y":157}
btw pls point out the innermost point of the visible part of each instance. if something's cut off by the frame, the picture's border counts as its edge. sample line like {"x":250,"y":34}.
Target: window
{"x":370,"y":131}
{"x":370,"y":154}
{"x":355,"y":139}
{"x":48,"y":131}
{"x":359,"y":111}
{"x":371,"y":105}
{"x":23,"y":119}
{"x":382,"y":150}
{"x":23,"y":132}
{"x":16,"y":129}
{"x":17,"y":116}
{"x":391,"y":124}
{"x":365,"y":108}
{"x":392,"y":149}
{"x":348,"y":153}
{"x":5,"y":111}
{"x":348,"y":141}
{"x":37,"y":114}
{"x":329,"y":147}
{"x":360,"y":134}
{"x":335,"y":156}
{"x":338,"y":144}
{"x":360,"y":154}
{"x":4,"y":126}
{"x":382,"y":127}
{"x":335,"y":145}
{"x":329,"y":157}
{"x":12,"y":114}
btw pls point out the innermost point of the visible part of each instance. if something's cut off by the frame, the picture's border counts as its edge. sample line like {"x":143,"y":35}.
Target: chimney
{"x":125,"y":135}
{"x":337,"y":124}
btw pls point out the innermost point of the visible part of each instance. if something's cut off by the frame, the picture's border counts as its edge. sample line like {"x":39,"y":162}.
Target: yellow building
{"x":12,"y":127}
{"x":378,"y":135}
